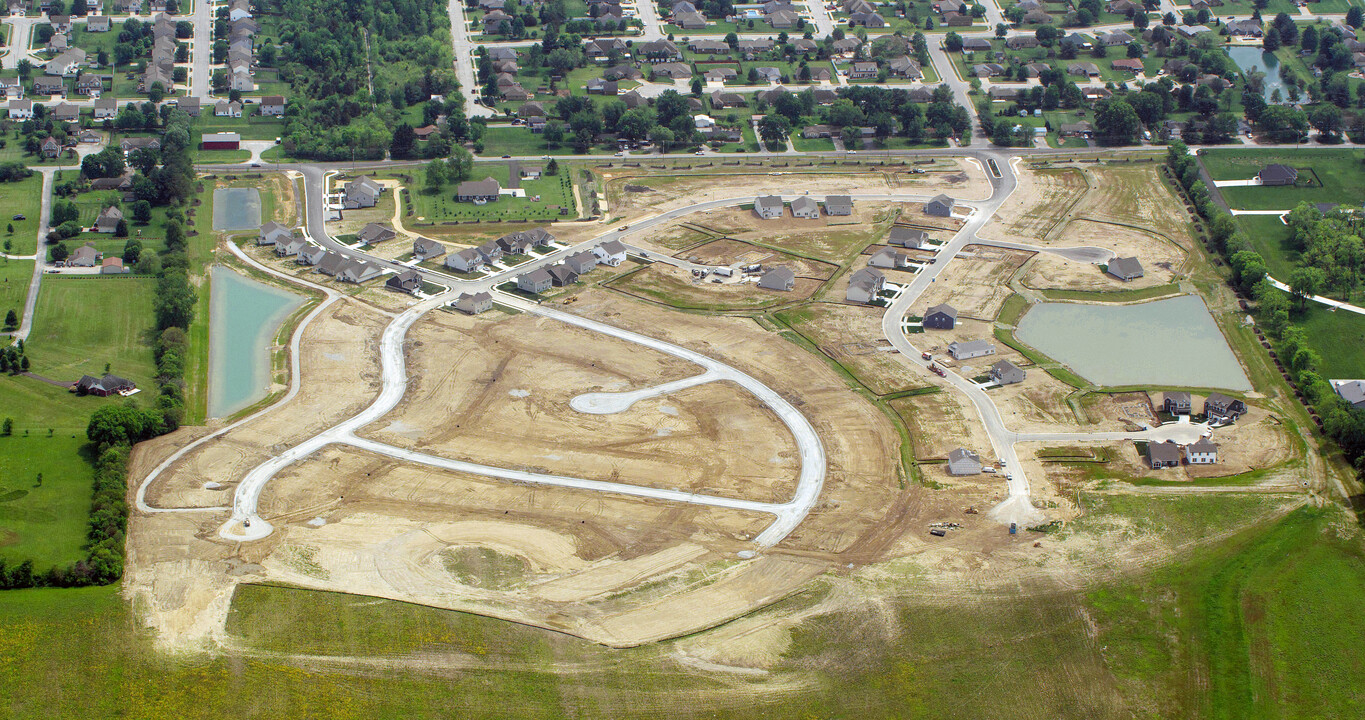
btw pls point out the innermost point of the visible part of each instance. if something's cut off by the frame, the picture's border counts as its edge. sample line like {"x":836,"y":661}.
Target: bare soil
{"x":976,"y":283}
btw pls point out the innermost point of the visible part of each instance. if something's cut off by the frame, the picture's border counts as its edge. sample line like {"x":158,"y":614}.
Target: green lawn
{"x":1339,"y":337}
{"x":553,"y":191}
{"x":1339,"y":174}
{"x":517,"y":140}
{"x":254,"y":127}
{"x":44,"y":522}
{"x":14,"y":278}
{"x":82,"y":323}
{"x":21,"y":198}
{"x":220,"y":156}
{"x":1269,"y":236}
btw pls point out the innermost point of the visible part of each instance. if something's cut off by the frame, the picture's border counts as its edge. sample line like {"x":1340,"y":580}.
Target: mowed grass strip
{"x":14,"y":278}
{"x":83,"y":323}
{"x":1340,"y":172}
{"x":43,"y":520}
{"x":21,"y":198}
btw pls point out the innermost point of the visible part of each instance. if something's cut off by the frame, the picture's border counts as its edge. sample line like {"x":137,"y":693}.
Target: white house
{"x":1201,"y":452}
{"x":768,"y":207}
{"x":611,"y":253}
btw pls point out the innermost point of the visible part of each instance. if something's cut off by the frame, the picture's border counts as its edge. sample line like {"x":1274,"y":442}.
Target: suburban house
{"x":478,"y":191}
{"x":191,"y":105}
{"x":426,"y":248}
{"x":84,"y":256}
{"x":375,"y":233}
{"x":940,"y":206}
{"x":473,"y":304}
{"x":1277,"y":175}
{"x":361,"y":192}
{"x":1352,"y":392}
{"x":805,"y":207}
{"x":103,"y":386}
{"x":224,"y":108}
{"x":1005,"y":372}
{"x":838,"y":205}
{"x":905,"y":67}
{"x":582,"y":262}
{"x":778,"y":278}
{"x":407,"y":281}
{"x":331,"y":263}
{"x":889,"y":259}
{"x":51,"y":147}
{"x":310,"y":255}
{"x":535,"y":282}
{"x":490,"y":251}
{"x":864,"y":285}
{"x":108,"y":220}
{"x":1163,"y":454}
{"x":940,"y":317}
{"x":1221,"y":406}
{"x":610,"y":253}
{"x":466,"y":260}
{"x":561,"y":275}
{"x":1076,"y":129}
{"x":358,"y":271}
{"x":1132,"y":65}
{"x":112,"y":265}
{"x":1176,"y":403}
{"x":863,"y":70}
{"x":906,"y":237}
{"x":1201,"y":452}
{"x":963,"y":462}
{"x":272,"y":232}
{"x":1124,"y":268}
{"x":290,"y":246}
{"x":272,"y":106}
{"x":970,"y":349}
{"x":20,"y":109}
{"x":768,"y":207}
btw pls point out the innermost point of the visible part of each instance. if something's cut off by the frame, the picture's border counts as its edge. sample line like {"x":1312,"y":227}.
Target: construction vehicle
{"x":571,"y":299}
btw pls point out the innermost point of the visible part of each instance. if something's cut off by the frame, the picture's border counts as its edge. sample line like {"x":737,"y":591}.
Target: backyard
{"x":1325,"y":176}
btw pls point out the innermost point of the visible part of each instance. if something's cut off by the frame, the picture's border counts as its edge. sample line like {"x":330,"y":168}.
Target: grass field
{"x":14,"y":278}
{"x":1135,"y":295}
{"x":44,"y":522}
{"x":554,"y":191}
{"x":21,"y":198}
{"x":82,"y":323}
{"x":1341,"y":174}
{"x":1270,"y":237}
{"x":1339,"y":337}
{"x":1258,"y":625}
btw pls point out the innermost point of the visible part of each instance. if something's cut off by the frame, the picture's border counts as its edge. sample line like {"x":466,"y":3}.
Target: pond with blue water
{"x":245,"y":316}
{"x":1171,"y":342}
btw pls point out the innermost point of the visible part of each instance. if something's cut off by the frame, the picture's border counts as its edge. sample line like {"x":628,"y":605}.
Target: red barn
{"x":222,"y":141}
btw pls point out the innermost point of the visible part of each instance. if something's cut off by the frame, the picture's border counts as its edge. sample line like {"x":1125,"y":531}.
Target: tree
{"x":662,"y":137}
{"x":1046,"y":35}
{"x":552,"y":168}
{"x":952,"y":42}
{"x":121,"y":229}
{"x":11,"y":319}
{"x":1140,"y":20}
{"x":1307,"y":282}
{"x":1135,"y":50}
{"x":142,"y":211}
{"x":1327,"y":119}
{"x":1271,"y":41}
{"x":1117,"y":122}
{"x":696,"y":87}
{"x":59,"y":252}
{"x":404,"y":139}
{"x":7,"y":427}
{"x":1355,"y":17}
{"x":1001,"y":30}
{"x":774,"y":130}
{"x":64,"y":211}
{"x":1308,"y":41}
{"x":436,"y":176}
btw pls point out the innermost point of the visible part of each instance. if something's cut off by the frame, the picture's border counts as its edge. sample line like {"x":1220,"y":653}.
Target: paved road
{"x":40,"y":257}
{"x":464,"y":61}
{"x":201,"y":51}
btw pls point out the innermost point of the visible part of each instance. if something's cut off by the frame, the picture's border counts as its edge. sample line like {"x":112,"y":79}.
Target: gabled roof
{"x":944,"y":308}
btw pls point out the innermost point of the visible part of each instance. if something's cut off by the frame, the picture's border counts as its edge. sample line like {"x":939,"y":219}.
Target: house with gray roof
{"x":84,"y":256}
{"x":362,"y":192}
{"x":970,"y":349}
{"x":1005,"y":372}
{"x":466,"y":260}
{"x":1124,"y":268}
{"x":561,"y":275}
{"x":582,"y":262}
{"x":1277,"y":174}
{"x":1352,"y":391}
{"x":1176,"y":403}
{"x":805,"y":207}
{"x":889,"y":259}
{"x":108,"y":220}
{"x":271,"y":233}
{"x":311,"y":255}
{"x":940,"y":206}
{"x":1218,"y":405}
{"x":838,"y":205}
{"x":963,"y":462}
{"x":290,"y":246}
{"x":778,"y":278}
{"x":768,"y":207}
{"x":611,"y":253}
{"x":374,"y":233}
{"x":535,"y":282}
{"x":332,"y":263}
{"x":906,"y":237}
{"x":426,"y":249}
{"x":1201,"y":452}
{"x":478,"y":191}
{"x":864,"y":285}
{"x":358,"y":271}
{"x":473,"y":304}
{"x":408,"y":281}
{"x":1163,"y":454}
{"x":490,"y":251}
{"x":940,"y":317}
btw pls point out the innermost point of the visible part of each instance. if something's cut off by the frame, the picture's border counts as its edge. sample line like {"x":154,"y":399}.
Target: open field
{"x":1162,"y":261}
{"x":677,"y":288}
{"x":14,"y":279}
{"x":83,"y":323}
{"x":1040,"y":205}
{"x":851,"y":336}
{"x":45,"y":485}
{"x":1338,"y":337}
{"x":21,"y":198}
{"x":1269,"y":236}
{"x":1324,"y":176}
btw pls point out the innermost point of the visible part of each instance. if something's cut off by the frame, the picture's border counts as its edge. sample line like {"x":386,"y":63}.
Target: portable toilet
{"x":1014,"y":528}
{"x":1037,"y":112}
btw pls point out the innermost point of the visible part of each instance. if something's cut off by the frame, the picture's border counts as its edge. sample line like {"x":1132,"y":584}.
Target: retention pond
{"x":236,"y":209}
{"x":1171,"y":342}
{"x":1251,"y":58}
{"x":244,"y":319}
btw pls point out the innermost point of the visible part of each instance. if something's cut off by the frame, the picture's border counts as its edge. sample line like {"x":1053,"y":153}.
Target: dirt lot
{"x":976,"y":282}
{"x":834,"y":239}
{"x":1039,"y":206}
{"x":1134,"y":195}
{"x":941,"y":422}
{"x":962,"y":180}
{"x":852,"y":336}
{"x":676,"y":287}
{"x":1162,"y":261}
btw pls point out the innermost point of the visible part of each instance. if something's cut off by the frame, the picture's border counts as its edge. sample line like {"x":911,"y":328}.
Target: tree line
{"x":1341,"y":422}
